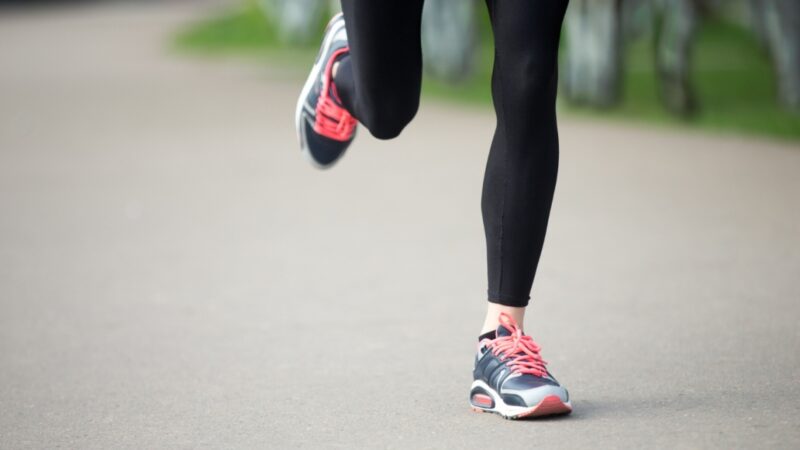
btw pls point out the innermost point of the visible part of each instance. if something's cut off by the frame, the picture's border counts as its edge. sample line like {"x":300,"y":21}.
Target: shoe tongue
{"x":334,"y":95}
{"x":503,"y":331}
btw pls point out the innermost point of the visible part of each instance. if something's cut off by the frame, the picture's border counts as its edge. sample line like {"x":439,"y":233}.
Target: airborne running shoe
{"x":325,"y":129}
{"x":511,"y":378}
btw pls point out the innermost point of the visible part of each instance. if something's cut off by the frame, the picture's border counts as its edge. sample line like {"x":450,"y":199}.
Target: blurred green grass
{"x":733,"y":78}
{"x":242,"y":31}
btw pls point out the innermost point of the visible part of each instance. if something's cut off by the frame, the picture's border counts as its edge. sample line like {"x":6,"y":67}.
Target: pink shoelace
{"x":333,"y":121}
{"x":520,"y":352}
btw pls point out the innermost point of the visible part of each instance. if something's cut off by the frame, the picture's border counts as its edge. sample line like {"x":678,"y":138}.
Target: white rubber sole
{"x":316,"y":71}
{"x":549,"y":406}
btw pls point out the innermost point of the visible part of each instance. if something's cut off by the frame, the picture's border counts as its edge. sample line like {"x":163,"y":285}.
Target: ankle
{"x":493,"y":310}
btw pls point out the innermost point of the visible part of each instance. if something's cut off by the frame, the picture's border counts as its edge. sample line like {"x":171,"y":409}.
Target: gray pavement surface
{"x":174,"y":275}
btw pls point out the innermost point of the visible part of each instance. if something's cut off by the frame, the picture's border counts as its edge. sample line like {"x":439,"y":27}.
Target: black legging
{"x":379,"y":83}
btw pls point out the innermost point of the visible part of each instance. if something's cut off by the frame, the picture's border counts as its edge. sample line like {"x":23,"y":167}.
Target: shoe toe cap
{"x":532,"y":390}
{"x":323,"y":151}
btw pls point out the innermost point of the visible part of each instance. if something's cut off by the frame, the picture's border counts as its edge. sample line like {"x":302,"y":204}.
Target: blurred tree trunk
{"x":782,"y":21}
{"x":297,"y":21}
{"x":676,"y":25}
{"x":637,"y":18}
{"x":449,"y":38}
{"x":593,"y":65}
{"x":757,"y":21}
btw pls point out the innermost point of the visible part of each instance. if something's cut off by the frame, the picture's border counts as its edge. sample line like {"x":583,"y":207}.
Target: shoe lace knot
{"x":518,"y":350}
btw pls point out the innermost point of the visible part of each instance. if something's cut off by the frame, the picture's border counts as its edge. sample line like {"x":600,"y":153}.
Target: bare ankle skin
{"x":493,"y":311}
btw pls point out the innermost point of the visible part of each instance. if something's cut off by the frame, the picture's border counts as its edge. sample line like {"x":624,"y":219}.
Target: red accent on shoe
{"x":333,"y":121}
{"x":482,"y":400}
{"x":520,"y":352}
{"x":549,"y":406}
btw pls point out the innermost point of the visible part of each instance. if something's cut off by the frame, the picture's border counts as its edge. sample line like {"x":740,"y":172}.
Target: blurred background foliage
{"x":724,"y":65}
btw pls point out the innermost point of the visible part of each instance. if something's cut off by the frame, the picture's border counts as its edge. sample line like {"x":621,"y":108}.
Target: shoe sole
{"x":316,"y":70}
{"x":550,"y":405}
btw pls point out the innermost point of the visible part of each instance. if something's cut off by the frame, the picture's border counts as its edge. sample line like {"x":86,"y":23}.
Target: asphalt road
{"x":174,"y":275}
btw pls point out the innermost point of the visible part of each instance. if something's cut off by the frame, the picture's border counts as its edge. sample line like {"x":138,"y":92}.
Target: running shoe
{"x":511,"y":378}
{"x":325,"y":129}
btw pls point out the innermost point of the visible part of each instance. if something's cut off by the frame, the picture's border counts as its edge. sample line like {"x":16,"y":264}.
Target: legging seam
{"x":505,"y":156}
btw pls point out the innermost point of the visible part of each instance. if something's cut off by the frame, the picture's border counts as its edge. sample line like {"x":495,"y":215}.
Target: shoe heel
{"x":481,"y":401}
